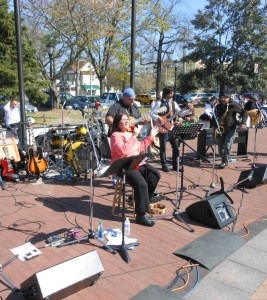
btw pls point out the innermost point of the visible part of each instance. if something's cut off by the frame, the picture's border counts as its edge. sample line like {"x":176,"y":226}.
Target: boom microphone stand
{"x":91,"y":233}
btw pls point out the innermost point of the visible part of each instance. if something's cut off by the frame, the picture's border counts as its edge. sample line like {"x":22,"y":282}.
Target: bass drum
{"x":79,"y":154}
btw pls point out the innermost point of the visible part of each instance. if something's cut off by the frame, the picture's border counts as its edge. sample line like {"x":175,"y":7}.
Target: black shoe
{"x":223,"y":165}
{"x":165,"y":168}
{"x":144,"y":220}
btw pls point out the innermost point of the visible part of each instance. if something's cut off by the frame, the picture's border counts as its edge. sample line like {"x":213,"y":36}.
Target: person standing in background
{"x":12,"y":116}
{"x":208,"y":114}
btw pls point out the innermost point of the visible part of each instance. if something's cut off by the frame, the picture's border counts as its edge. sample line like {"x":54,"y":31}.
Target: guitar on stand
{"x":37,"y":164}
{"x":8,"y":165}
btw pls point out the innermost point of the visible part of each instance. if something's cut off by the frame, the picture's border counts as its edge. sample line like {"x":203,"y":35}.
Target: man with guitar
{"x":126,"y":106}
{"x":165,"y":123}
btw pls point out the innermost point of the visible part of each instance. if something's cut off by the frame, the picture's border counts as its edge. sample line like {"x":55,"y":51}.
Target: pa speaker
{"x":214,"y":211}
{"x":255,"y":177}
{"x":64,"y":279}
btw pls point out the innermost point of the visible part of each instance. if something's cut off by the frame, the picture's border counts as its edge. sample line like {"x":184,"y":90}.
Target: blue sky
{"x":190,"y":7}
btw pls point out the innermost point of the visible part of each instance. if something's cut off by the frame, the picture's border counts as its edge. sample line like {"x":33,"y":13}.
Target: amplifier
{"x":62,"y":280}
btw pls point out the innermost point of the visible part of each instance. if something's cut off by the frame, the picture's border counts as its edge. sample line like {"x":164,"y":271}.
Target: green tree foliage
{"x":33,"y":80}
{"x":230,"y":38}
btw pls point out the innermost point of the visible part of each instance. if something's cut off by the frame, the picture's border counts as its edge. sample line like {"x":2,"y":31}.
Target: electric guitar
{"x":167,"y":125}
{"x":8,"y":165}
{"x":36,"y":162}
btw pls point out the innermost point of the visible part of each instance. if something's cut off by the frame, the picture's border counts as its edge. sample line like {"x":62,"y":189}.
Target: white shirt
{"x":209,"y":109}
{"x":12,"y":115}
{"x":156,"y":104}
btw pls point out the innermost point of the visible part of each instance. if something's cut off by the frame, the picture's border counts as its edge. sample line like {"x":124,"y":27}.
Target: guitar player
{"x":165,"y":122}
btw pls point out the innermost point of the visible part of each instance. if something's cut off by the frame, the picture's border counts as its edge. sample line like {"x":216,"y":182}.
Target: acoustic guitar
{"x":36,"y":162}
{"x":133,"y":121}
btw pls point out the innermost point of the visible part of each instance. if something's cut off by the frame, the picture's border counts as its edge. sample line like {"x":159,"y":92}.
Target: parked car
{"x":180,"y":99}
{"x":75,"y":104}
{"x":145,"y":98}
{"x":116,"y":97}
{"x":30,"y":108}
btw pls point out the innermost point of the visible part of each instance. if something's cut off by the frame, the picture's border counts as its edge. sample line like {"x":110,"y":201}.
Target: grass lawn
{"x":75,"y":116}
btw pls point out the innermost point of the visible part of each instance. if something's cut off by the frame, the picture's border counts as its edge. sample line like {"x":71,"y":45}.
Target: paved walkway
{"x":243,"y":275}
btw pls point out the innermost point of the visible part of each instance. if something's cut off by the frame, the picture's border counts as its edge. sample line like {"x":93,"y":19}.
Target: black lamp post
{"x":175,"y":78}
{"x":50,"y":52}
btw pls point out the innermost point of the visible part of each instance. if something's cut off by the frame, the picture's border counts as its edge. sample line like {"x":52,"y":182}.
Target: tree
{"x":8,"y":60}
{"x":230,"y":37}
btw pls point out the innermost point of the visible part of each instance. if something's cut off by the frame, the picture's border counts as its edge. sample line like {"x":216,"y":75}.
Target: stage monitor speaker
{"x":214,"y":211}
{"x":64,"y":279}
{"x":258,"y":176}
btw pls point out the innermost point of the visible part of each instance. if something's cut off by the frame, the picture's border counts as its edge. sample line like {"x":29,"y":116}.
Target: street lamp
{"x":50,"y":52}
{"x":175,"y":77}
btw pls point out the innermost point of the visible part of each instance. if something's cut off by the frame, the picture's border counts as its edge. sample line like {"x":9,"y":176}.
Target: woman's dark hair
{"x":116,"y":122}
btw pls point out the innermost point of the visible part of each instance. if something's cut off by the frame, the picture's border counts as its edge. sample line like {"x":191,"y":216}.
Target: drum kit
{"x":72,"y":150}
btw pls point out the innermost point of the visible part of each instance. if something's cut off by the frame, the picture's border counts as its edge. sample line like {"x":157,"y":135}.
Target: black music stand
{"x":187,"y":132}
{"x":183,"y":133}
{"x":119,"y":167}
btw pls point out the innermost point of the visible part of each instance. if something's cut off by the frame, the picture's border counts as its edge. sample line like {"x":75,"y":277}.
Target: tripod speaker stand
{"x":119,"y":167}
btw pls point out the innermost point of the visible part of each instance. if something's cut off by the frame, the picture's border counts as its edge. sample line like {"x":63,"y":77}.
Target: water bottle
{"x":100,"y":231}
{"x":144,"y":133}
{"x":127,"y":227}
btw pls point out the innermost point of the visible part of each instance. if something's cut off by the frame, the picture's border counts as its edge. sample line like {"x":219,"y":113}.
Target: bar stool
{"x":117,"y":198}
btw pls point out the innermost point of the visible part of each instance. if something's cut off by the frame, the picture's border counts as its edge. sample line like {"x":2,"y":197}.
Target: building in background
{"x":80,"y":79}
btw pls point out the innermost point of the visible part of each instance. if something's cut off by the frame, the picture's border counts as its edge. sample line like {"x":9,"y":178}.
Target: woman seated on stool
{"x":144,"y":179}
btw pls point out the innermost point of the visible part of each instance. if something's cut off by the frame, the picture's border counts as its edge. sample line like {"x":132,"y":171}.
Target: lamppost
{"x":175,"y":77}
{"x":50,"y":52}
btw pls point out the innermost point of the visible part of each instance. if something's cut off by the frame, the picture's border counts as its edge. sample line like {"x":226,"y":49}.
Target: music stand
{"x":119,"y":167}
{"x":188,"y":132}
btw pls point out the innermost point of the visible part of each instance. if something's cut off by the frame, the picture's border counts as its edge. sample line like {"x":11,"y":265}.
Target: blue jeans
{"x":225,"y":143}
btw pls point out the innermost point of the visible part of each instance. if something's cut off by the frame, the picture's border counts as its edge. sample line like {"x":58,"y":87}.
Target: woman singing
{"x":143,"y":179}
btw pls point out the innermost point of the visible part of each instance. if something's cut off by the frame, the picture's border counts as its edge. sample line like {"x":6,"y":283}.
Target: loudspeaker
{"x":258,"y":176}
{"x":214,"y":211}
{"x":64,"y":279}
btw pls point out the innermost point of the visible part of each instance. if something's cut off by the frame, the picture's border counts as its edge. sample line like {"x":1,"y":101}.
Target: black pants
{"x":163,"y":138}
{"x":144,"y":182}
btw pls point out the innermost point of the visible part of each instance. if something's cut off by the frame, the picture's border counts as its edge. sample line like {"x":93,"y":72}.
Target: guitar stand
{"x":2,"y":266}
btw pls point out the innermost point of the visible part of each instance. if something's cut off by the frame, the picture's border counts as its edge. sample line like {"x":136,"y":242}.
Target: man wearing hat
{"x":126,"y":106}
{"x":230,"y":115}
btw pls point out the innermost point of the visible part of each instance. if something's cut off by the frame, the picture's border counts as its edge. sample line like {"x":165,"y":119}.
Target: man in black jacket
{"x":230,"y":115}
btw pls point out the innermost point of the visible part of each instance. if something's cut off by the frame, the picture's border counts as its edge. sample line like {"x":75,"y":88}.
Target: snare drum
{"x":59,"y":141}
{"x":81,"y":130}
{"x":79,"y":154}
